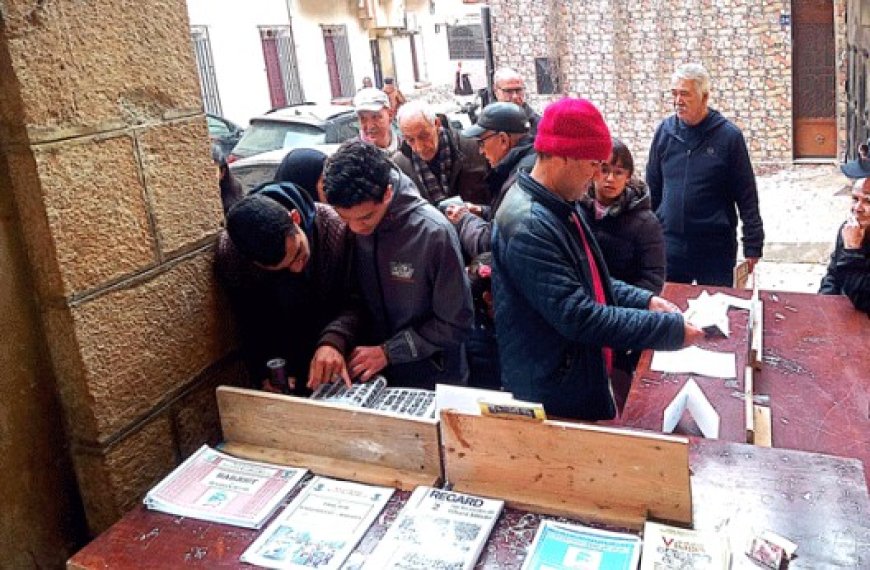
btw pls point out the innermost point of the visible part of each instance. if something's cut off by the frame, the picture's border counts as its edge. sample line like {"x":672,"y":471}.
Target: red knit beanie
{"x":573,"y":128}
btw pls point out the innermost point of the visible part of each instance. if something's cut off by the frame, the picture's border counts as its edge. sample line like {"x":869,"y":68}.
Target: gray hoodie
{"x":413,"y":280}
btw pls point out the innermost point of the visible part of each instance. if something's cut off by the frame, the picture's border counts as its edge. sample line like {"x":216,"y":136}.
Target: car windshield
{"x":265,"y":136}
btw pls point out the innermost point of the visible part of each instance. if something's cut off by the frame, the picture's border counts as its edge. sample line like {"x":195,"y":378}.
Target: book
{"x":213,"y":486}
{"x":436,"y":529}
{"x":320,"y":527}
{"x":666,"y":547}
{"x":576,"y":547}
{"x":479,"y":401}
{"x":376,"y":395}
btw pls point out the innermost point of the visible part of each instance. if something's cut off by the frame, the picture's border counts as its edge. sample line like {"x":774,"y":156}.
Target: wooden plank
{"x":331,"y":436}
{"x":756,"y":340}
{"x":762,"y":426}
{"x":748,"y":394}
{"x":607,"y":475}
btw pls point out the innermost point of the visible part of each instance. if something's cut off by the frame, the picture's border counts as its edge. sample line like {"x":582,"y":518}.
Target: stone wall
{"x":620,"y":55}
{"x":109,"y":166}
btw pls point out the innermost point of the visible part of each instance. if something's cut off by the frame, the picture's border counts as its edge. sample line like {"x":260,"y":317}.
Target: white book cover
{"x":559,"y":546}
{"x":667,"y":547}
{"x":437,"y":529}
{"x":320,"y":527}
{"x":214,"y":486}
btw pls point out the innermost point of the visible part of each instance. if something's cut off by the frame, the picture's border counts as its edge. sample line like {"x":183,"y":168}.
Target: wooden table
{"x":816,"y":371}
{"x":818,"y":501}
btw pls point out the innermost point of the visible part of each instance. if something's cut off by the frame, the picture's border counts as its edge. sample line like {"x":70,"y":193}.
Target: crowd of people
{"x":522,"y":253}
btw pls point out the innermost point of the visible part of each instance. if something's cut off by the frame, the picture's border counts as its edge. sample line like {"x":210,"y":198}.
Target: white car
{"x":260,"y":168}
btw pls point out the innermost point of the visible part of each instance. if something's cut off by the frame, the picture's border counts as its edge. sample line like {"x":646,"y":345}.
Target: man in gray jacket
{"x":409,"y":268}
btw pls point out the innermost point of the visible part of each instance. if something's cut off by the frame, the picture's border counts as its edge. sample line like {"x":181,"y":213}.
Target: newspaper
{"x":375,"y":395}
{"x":666,"y":547}
{"x":213,"y":486}
{"x":320,"y":527}
{"x":569,"y":546}
{"x":436,"y":529}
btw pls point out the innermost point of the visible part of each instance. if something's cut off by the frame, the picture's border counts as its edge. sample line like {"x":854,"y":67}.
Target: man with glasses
{"x":509,"y":87}
{"x":502,"y":133}
{"x":285,"y":262}
{"x":558,"y":315}
{"x":440,"y":161}
{"x":410,"y":272}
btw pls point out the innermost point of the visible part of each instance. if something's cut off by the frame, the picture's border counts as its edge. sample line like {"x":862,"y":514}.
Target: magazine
{"x":213,"y":486}
{"x":570,"y":546}
{"x":666,"y":547}
{"x":320,"y":527}
{"x":436,"y":529}
{"x":375,"y":395}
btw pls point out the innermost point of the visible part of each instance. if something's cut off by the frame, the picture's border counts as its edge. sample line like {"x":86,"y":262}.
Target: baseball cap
{"x":370,"y":99}
{"x":499,"y":117}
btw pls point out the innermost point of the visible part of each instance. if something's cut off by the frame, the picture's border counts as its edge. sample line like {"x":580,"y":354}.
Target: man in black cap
{"x":286,"y":263}
{"x":849,"y":268}
{"x":503,"y":139}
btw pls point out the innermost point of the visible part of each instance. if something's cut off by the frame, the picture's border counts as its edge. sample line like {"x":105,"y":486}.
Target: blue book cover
{"x":573,"y":547}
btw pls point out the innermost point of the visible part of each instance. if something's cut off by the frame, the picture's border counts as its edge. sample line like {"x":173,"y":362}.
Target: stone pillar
{"x":109,"y":163}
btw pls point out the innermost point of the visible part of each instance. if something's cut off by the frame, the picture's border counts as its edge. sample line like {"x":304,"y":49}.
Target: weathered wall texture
{"x":620,"y":55}
{"x":118,"y":207}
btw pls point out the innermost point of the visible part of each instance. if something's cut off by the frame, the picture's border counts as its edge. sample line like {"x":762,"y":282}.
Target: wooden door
{"x":813,"y":79}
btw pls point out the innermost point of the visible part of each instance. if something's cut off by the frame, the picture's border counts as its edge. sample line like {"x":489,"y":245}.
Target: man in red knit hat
{"x":558,"y":314}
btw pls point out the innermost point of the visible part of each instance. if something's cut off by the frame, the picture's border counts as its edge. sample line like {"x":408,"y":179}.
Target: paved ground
{"x":802,"y":208}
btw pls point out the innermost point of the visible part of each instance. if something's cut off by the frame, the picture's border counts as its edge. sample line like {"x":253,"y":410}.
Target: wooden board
{"x":606,"y":475}
{"x":354,"y":443}
{"x":762,"y":426}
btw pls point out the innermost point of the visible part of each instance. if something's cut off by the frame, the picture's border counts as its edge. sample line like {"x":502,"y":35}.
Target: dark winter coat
{"x":289,"y":315}
{"x":475,"y":232}
{"x":849,"y":274}
{"x":468,"y":172}
{"x":550,"y":329}
{"x":630,"y":238}
{"x":696,"y":177}
{"x":412,"y":278}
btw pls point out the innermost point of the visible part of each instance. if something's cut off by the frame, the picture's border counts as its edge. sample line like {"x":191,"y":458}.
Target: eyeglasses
{"x":482,"y":140}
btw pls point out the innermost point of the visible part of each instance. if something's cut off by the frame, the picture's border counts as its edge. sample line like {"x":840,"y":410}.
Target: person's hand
{"x":692,"y":334}
{"x":660,"y":305}
{"x":366,"y":361}
{"x":455,"y":212}
{"x":327,"y":365}
{"x":853,"y":234}
{"x":475,"y":209}
{"x":752,"y":261}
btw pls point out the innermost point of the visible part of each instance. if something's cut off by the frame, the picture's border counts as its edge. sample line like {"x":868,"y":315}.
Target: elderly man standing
{"x":502,"y":133}
{"x":375,"y":116}
{"x":440,"y":161}
{"x":558,"y":315}
{"x":509,"y":87}
{"x":698,"y":171}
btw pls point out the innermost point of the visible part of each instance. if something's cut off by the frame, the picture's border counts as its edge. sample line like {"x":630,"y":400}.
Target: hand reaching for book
{"x":328,"y":365}
{"x":366,"y":361}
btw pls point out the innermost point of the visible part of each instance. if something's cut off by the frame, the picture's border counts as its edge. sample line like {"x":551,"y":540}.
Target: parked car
{"x":223,"y":133}
{"x":260,"y":168}
{"x":297,"y":126}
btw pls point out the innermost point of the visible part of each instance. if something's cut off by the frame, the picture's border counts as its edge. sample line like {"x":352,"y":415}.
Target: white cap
{"x":370,"y":99}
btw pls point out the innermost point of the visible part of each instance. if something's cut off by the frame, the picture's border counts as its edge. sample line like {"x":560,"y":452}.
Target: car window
{"x":265,"y":136}
{"x":217,"y":128}
{"x":344,"y":128}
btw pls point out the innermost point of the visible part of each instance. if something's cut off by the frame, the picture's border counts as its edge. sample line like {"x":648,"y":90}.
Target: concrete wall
{"x":117,"y":207}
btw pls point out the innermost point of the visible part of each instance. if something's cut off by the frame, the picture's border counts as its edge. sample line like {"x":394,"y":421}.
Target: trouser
{"x":705,"y":261}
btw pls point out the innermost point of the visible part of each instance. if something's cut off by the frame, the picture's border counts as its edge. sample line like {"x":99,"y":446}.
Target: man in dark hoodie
{"x":698,"y":171}
{"x":409,"y":268}
{"x":286,"y":264}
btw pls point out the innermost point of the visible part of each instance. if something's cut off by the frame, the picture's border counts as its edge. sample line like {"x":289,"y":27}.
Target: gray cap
{"x":500,"y":117}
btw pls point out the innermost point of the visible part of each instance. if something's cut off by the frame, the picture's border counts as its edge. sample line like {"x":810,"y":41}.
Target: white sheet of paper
{"x":691,"y":397}
{"x":733,"y":301}
{"x":464,"y":399}
{"x":694,"y":360}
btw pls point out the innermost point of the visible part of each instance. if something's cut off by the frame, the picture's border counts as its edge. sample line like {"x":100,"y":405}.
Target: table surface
{"x":815,"y":369}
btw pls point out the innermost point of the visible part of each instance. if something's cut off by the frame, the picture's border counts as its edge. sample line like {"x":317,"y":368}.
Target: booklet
{"x":570,"y":546}
{"x":375,"y":395}
{"x":320,"y":527}
{"x":437,"y":529}
{"x":213,"y":486}
{"x":666,"y":547}
{"x":479,"y":401}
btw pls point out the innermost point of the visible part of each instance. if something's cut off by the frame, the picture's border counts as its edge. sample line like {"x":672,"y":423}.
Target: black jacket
{"x":849,"y":274}
{"x":630,"y":237}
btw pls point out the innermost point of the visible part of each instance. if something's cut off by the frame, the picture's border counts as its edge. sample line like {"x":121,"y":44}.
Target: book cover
{"x":667,"y":547}
{"x":320,"y":527}
{"x":436,"y":529}
{"x":376,"y":395}
{"x":575,"y":547}
{"x":213,"y":486}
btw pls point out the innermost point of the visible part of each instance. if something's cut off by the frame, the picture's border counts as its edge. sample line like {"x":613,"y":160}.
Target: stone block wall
{"x":109,"y":165}
{"x":621,"y":54}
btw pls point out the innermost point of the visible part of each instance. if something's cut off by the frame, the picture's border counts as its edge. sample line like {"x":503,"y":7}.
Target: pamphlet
{"x":320,"y":527}
{"x":575,"y":547}
{"x":479,"y":401}
{"x":437,"y":529}
{"x":666,"y":547}
{"x":690,"y":396}
{"x":694,"y":360}
{"x":213,"y":486}
{"x":375,"y":395}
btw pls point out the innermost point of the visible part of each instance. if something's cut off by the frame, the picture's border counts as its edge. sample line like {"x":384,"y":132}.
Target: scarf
{"x":436,"y":187}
